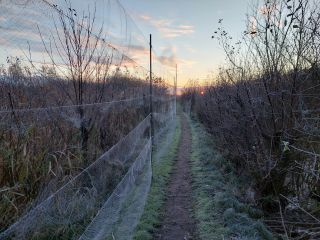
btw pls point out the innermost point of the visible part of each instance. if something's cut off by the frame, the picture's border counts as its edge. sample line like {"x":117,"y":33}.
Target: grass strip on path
{"x":154,"y":208}
{"x":218,"y":211}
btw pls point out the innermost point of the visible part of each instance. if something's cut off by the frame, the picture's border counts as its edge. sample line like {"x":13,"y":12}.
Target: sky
{"x":181,"y":30}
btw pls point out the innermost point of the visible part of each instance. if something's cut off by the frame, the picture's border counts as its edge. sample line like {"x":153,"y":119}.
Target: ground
{"x":178,"y":222}
{"x":195,"y":193}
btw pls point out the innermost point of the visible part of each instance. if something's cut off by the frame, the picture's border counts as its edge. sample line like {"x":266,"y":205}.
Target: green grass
{"x":151,"y":218}
{"x":218,"y":212}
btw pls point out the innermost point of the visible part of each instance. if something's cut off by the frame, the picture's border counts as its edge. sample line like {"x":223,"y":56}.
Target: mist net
{"x":75,"y":120}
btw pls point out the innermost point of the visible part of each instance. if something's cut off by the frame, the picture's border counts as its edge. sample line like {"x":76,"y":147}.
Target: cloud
{"x":138,"y":51}
{"x":186,"y":27}
{"x":138,"y":55}
{"x":131,"y":54}
{"x":167,"y":27}
{"x":175,"y":32}
{"x":144,"y":17}
{"x":169,"y":58}
{"x":20,"y":31}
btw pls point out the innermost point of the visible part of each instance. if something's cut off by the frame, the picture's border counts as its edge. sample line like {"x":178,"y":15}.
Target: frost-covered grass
{"x":151,"y":218}
{"x":218,"y":212}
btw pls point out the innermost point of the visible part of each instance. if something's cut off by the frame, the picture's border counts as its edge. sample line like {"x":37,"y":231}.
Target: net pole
{"x":175,"y":88}
{"x":151,"y":93}
{"x":151,"y":108}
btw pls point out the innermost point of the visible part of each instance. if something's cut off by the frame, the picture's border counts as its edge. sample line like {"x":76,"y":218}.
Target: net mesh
{"x":75,"y":122}
{"x":104,"y":224}
{"x":80,"y":199}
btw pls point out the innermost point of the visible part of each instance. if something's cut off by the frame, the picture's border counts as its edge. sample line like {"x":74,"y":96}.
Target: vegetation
{"x":263,"y":110}
{"x":41,"y":150}
{"x":219,"y":210}
{"x":54,"y":118}
{"x":151,"y":217}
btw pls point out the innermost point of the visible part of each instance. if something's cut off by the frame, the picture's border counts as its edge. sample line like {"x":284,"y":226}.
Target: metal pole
{"x":175,"y":84}
{"x":151,"y":93}
{"x":175,"y":87}
{"x":151,"y":109}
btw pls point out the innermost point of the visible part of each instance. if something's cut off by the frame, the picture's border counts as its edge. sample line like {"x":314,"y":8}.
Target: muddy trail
{"x":177,"y":222}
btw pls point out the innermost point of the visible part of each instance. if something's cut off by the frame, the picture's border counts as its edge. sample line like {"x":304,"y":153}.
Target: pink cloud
{"x":186,"y":27}
{"x":145,"y":17}
{"x":167,"y":27}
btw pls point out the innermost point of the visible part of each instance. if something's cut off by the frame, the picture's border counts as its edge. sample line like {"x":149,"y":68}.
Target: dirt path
{"x":178,"y":223}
